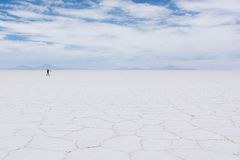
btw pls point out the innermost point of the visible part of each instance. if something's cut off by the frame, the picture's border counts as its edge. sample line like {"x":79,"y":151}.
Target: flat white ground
{"x":120,"y":115}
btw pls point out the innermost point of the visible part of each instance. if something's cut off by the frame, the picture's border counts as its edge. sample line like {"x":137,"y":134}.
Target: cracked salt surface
{"x":120,"y":115}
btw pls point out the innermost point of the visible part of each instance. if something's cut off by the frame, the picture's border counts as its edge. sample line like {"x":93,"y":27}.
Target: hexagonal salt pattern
{"x":120,"y":115}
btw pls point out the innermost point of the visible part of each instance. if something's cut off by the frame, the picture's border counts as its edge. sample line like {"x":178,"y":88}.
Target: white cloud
{"x":203,"y":5}
{"x":212,"y":34}
{"x":96,"y":14}
{"x":144,"y":10}
{"x":27,"y":14}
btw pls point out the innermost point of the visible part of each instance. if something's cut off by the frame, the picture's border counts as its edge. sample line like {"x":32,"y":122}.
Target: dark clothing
{"x":48,"y":72}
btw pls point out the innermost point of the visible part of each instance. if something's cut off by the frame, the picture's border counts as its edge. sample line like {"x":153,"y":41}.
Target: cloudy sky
{"x":107,"y":34}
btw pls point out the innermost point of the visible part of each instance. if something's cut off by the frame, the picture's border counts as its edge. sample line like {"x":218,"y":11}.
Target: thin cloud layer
{"x":121,"y":33}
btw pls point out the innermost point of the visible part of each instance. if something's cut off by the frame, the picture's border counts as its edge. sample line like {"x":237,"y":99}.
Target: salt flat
{"x":120,"y":115}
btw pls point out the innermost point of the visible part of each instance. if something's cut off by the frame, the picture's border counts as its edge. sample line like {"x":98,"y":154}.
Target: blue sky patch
{"x":16,"y":37}
{"x":156,"y":2}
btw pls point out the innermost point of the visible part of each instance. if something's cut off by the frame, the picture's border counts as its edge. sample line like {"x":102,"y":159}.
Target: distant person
{"x":48,"y":72}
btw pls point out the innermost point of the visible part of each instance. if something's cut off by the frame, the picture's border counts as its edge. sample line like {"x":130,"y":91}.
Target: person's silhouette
{"x":48,"y":72}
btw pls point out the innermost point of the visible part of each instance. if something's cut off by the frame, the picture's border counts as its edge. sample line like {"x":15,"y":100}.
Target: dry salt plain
{"x":120,"y":115}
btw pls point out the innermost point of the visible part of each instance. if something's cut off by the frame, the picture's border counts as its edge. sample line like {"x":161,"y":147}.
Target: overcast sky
{"x":200,"y":34}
